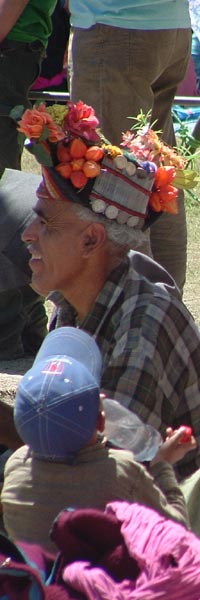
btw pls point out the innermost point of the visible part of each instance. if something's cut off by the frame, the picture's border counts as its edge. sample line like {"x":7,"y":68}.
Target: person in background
{"x":25,"y":26}
{"x":66,"y":461}
{"x":131,"y":56}
{"x":53,"y":75}
{"x":23,"y":318}
{"x":194,"y":7}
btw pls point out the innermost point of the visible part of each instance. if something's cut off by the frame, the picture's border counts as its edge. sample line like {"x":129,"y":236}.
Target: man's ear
{"x":94,"y":237}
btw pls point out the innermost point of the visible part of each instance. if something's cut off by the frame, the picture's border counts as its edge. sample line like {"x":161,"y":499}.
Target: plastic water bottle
{"x":125,"y":430}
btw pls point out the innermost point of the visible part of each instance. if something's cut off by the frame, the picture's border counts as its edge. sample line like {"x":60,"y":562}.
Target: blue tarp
{"x":188,"y":116}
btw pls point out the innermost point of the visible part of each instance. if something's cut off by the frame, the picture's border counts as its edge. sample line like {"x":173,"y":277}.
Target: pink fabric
{"x":42,"y":83}
{"x":188,"y":87}
{"x":168,"y":555}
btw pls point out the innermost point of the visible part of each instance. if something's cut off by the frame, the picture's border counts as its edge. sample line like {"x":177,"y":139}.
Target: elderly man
{"x":149,"y":342}
{"x":91,"y":208}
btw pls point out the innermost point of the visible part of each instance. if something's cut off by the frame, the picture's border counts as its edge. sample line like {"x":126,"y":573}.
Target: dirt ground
{"x":192,"y":286}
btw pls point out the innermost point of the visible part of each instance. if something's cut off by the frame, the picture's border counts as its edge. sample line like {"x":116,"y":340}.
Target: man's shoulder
{"x":149,"y":307}
{"x":154,"y":286}
{"x":147,"y":287}
{"x":147,"y":270}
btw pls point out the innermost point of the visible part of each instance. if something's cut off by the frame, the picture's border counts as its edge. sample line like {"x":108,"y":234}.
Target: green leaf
{"x":40,"y":153}
{"x":17,"y":112}
{"x":45,"y":134}
{"x":38,"y":102}
{"x":21,"y":140}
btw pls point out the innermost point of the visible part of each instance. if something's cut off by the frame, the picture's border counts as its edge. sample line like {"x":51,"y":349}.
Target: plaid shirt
{"x":150,"y":347}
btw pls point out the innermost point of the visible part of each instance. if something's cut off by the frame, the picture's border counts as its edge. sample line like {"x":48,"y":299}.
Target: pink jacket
{"x":168,"y":557}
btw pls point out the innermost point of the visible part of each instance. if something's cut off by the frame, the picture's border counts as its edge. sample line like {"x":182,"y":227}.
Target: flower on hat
{"x":68,"y":140}
{"x":71,"y":129}
{"x":148,"y":146}
{"x":37,"y":124}
{"x":163,"y":196}
{"x":145,"y":143}
{"x":81,"y":120}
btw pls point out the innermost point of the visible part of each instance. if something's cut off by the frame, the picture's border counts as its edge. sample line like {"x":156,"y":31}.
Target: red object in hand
{"x":186,"y":435}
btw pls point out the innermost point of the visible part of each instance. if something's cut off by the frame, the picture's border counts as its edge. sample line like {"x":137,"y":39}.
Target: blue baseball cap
{"x":57,"y":400}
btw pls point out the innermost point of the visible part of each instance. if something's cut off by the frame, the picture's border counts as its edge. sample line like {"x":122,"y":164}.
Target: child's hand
{"x":175,"y":447}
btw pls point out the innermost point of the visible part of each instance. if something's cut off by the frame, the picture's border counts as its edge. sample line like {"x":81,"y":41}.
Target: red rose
{"x":81,"y":120}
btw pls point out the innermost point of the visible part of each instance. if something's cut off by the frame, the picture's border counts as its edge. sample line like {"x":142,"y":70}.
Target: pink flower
{"x":81,"y":120}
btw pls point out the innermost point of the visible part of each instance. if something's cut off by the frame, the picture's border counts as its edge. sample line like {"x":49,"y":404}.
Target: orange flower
{"x":79,"y":179}
{"x":77,"y":148}
{"x":34,"y":122}
{"x":64,"y":169}
{"x":77,"y":164}
{"x":91,"y":168}
{"x":163,"y":196}
{"x":63,"y":154}
{"x":164,"y":203}
{"x":94,"y":153}
{"x":164,"y":175}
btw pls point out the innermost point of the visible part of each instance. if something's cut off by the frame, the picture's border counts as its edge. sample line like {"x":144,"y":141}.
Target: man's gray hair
{"x":118,"y":234}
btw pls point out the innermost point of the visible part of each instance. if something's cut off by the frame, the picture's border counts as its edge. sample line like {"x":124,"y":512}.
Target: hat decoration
{"x":123,"y":183}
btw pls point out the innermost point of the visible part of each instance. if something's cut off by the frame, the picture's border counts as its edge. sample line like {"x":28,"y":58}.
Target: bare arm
{"x":10,"y":11}
{"x":172,"y":449}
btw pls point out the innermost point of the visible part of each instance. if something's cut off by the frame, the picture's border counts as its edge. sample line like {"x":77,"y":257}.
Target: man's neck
{"x":85,"y":291}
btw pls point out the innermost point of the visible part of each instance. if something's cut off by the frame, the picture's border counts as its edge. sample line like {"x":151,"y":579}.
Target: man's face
{"x":55,"y":241}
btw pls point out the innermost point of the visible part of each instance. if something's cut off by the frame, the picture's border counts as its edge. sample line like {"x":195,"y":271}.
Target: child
{"x":65,"y":461}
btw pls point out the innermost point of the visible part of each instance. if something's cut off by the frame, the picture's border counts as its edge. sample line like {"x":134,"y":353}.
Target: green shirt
{"x":34,"y":23}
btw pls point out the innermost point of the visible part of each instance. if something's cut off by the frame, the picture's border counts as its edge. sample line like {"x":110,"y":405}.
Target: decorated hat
{"x":57,"y":401}
{"x":126,"y":184}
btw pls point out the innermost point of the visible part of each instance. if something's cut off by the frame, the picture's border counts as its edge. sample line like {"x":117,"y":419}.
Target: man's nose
{"x":29,"y":232}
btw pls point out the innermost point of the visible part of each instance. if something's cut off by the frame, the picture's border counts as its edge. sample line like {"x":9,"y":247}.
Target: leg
{"x":19,"y":67}
{"x":124,"y":80}
{"x":169,"y":242}
{"x":169,"y":234}
{"x":111,"y":83}
{"x":23,"y":323}
{"x":121,"y":82}
{"x":35,"y":328}
{"x":11,"y":324}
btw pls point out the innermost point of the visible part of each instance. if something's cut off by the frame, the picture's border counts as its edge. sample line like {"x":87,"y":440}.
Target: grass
{"x":192,"y":285}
